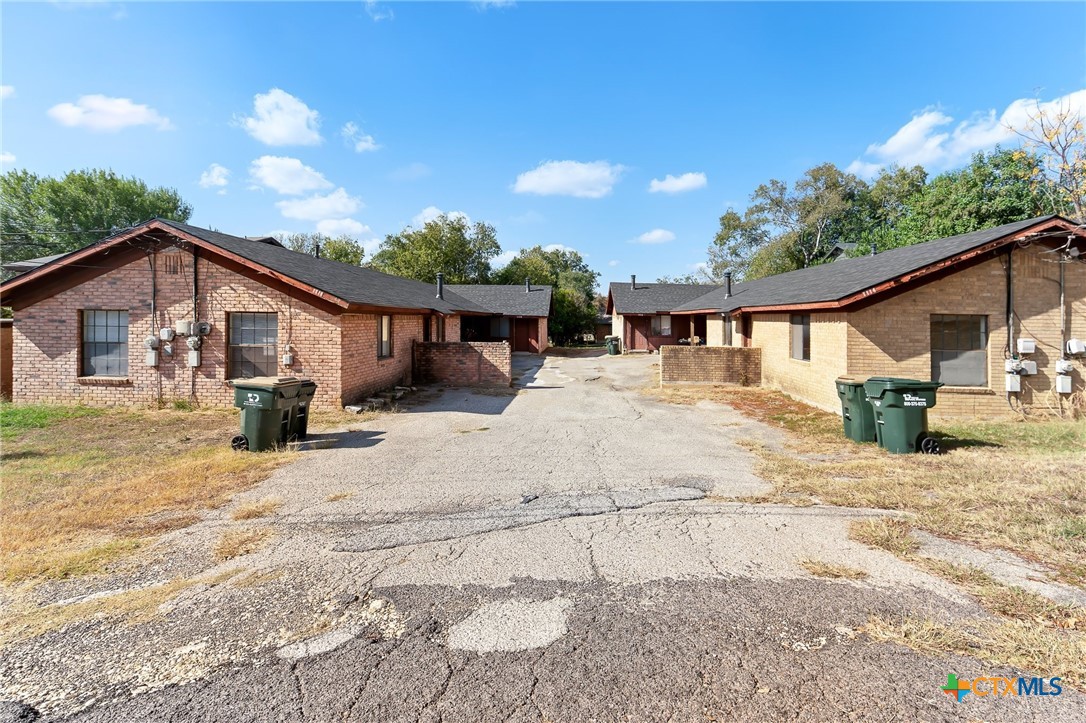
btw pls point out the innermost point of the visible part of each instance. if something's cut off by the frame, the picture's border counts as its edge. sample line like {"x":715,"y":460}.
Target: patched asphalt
{"x":573,"y":550}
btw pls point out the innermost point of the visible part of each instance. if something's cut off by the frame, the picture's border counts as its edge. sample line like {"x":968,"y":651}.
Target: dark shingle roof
{"x":353,"y":284}
{"x":507,"y":300}
{"x":28,"y":264}
{"x":653,"y":298}
{"x":832,"y":282}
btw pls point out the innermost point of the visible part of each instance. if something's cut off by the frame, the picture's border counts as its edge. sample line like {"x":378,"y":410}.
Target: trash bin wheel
{"x":240,"y":443}
{"x":929,"y":445}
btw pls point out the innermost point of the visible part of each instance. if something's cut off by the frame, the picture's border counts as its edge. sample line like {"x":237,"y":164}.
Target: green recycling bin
{"x":613,"y":347}
{"x":857,"y":414}
{"x":299,"y":418}
{"x":266,"y":404}
{"x":901,"y":413}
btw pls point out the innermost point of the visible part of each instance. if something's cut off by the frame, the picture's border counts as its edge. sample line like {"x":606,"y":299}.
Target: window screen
{"x":661,"y":325}
{"x":959,"y":350}
{"x":499,"y":327}
{"x":254,"y":342}
{"x":801,"y":337}
{"x":105,"y":344}
{"x":384,"y":336}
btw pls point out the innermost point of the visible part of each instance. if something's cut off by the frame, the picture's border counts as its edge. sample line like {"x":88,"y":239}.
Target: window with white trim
{"x":801,"y":337}
{"x":384,"y":337}
{"x":661,"y":325}
{"x":104,"y":350}
{"x":254,"y":345}
{"x":959,"y":350}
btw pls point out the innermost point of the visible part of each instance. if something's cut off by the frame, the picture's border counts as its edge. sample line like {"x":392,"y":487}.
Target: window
{"x":661,"y":325}
{"x":440,"y":332}
{"x":384,"y":337}
{"x":801,"y":337}
{"x":425,"y":329}
{"x":254,"y":341}
{"x":499,"y":327}
{"x":959,"y":350}
{"x":727,"y":331}
{"x":105,"y":344}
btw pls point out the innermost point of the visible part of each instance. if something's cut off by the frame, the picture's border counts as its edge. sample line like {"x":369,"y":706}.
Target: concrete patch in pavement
{"x":511,"y":625}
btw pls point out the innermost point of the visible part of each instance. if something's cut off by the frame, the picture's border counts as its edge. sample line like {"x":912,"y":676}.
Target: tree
{"x":40,"y":216}
{"x":738,"y":239}
{"x":574,"y":296}
{"x":451,"y":246}
{"x":1057,"y":139}
{"x":340,"y":248}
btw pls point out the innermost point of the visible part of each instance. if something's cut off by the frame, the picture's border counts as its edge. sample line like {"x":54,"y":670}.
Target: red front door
{"x":522,"y":334}
{"x":638,"y":337}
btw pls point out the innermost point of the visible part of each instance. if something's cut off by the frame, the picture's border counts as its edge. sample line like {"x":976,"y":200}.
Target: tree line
{"x":42,"y":216}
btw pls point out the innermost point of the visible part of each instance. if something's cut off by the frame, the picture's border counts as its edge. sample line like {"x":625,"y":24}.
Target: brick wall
{"x":452,"y":329}
{"x":466,"y":364}
{"x":47,"y":361}
{"x":710,"y":365}
{"x":363,"y":373}
{"x":893,"y":337}
{"x":5,"y":358}
{"x":811,"y":381}
{"x":714,"y":330}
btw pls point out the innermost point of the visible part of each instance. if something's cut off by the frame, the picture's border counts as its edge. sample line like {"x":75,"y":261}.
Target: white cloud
{"x":6,"y":157}
{"x":378,"y":12}
{"x":612,"y":263}
{"x":337,"y":204}
{"x":411,"y":172}
{"x":342,"y":227}
{"x":931,"y":139}
{"x":655,"y":236}
{"x":102,"y":113}
{"x":429,"y":213}
{"x":280,"y":119}
{"x":558,"y":247}
{"x":371,"y":246}
{"x":678,"y":184}
{"x":362,"y":142}
{"x":6,"y":91}
{"x":286,"y":175}
{"x":570,"y":178}
{"x":215,"y":176}
{"x":484,"y":5}
{"x":503,"y":258}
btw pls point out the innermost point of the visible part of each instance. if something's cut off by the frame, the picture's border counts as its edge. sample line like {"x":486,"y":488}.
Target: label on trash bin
{"x":913,"y":401}
{"x":252,"y":400}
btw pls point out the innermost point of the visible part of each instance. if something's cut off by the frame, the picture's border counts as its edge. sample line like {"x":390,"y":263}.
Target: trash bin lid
{"x":850,"y":381}
{"x":268,"y":382}
{"x":882,"y":384}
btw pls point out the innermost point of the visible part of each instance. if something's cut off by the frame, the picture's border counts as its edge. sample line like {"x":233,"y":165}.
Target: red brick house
{"x":519,"y":315}
{"x":167,"y":311}
{"x":961,"y":310}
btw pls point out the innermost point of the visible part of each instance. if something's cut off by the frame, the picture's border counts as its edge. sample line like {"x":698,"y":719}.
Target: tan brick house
{"x":119,"y":322}
{"x":954,"y":310}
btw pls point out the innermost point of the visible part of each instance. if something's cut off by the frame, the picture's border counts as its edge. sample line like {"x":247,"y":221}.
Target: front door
{"x":522,"y":334}
{"x":638,"y":338}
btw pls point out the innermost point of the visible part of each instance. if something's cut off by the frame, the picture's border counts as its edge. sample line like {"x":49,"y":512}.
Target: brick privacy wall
{"x":544,"y":340}
{"x":894,"y":337}
{"x":464,"y":364}
{"x":812,"y":381}
{"x":710,"y":365}
{"x":362,"y":372}
{"x":6,"y":359}
{"x":46,"y":338}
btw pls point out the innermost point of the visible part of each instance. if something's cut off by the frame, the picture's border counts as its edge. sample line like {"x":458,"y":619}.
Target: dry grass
{"x":259,"y":508}
{"x":337,"y":496}
{"x":81,"y":488}
{"x":235,"y":543}
{"x":818,"y":568}
{"x":1014,"y":485}
{"x":885,"y":533}
{"x":132,"y":606}
{"x":1022,"y":644}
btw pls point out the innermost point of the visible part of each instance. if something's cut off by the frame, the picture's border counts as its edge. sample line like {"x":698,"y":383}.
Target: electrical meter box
{"x":1014,"y":382}
{"x":1063,"y":384}
{"x":1027,"y":346}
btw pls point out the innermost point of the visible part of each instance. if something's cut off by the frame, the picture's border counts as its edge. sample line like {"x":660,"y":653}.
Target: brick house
{"x":954,"y":310}
{"x":518,"y":315}
{"x":116,"y":322}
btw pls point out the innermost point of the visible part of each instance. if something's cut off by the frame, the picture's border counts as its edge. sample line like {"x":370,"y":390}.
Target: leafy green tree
{"x":733,"y":247}
{"x":340,"y":248}
{"x":574,"y":296}
{"x":452,"y":246}
{"x":40,"y":216}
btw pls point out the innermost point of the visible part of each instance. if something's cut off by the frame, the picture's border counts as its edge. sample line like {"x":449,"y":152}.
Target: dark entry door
{"x":522,"y":334}
{"x":639,"y":333}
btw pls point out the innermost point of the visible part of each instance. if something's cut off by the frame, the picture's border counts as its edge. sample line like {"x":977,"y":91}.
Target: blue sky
{"x":559,"y":123}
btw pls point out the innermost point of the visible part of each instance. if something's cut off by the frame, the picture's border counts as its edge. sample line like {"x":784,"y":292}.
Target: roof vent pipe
{"x":440,"y":285}
{"x":633,"y":282}
{"x":527,"y":285}
{"x":874,"y":248}
{"x":727,"y":284}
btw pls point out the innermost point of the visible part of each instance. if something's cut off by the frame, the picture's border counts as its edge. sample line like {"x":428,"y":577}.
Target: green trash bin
{"x":299,"y":419}
{"x":613,"y":347}
{"x":901,"y":413}
{"x":266,"y":404}
{"x":857,"y":414}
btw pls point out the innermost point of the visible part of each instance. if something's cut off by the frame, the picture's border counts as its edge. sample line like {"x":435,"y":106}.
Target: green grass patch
{"x":18,"y":418}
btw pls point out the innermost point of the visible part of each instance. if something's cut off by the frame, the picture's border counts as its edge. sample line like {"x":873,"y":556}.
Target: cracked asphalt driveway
{"x":573,"y":550}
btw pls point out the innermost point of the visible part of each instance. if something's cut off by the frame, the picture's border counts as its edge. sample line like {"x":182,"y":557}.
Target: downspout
{"x":1009,"y":352}
{"x":195,"y":310}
